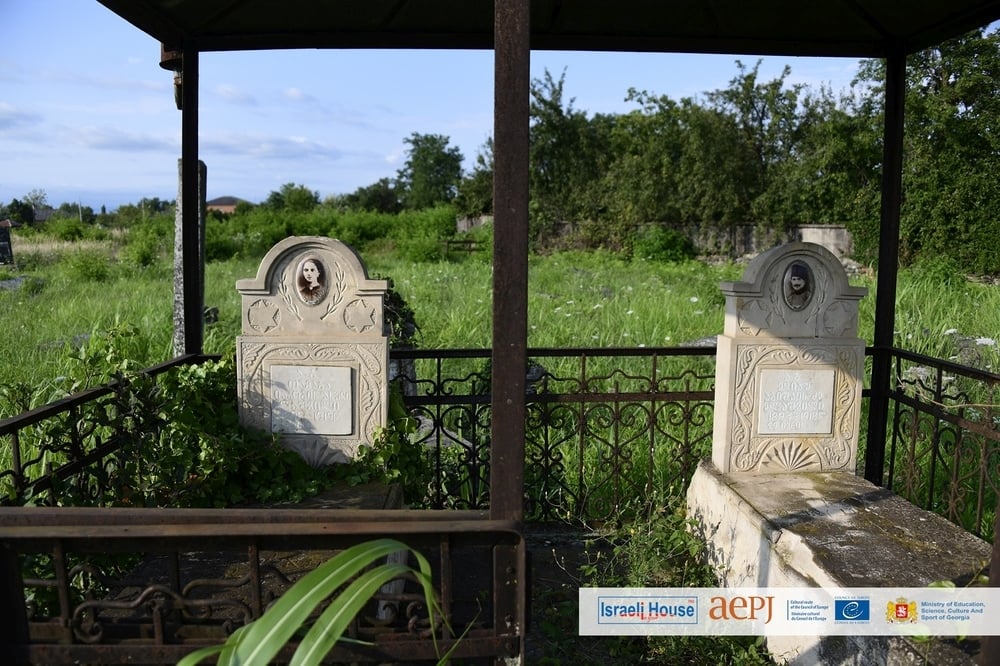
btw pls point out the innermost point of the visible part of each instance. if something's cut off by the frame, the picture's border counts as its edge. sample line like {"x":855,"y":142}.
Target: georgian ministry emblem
{"x":901,"y":610}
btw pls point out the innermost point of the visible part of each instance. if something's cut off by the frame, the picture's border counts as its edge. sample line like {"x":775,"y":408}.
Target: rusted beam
{"x":191,"y":185}
{"x":888,"y":266}
{"x":510,"y":257}
{"x":512,"y":57}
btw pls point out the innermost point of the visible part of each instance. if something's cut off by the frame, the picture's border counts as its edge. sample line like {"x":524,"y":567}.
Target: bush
{"x":938,"y":270}
{"x":660,"y":243}
{"x":88,"y":266}
{"x":143,"y":249}
{"x":66,"y":228}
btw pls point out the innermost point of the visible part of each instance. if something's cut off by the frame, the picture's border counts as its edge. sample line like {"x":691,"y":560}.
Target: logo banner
{"x":790,"y":611}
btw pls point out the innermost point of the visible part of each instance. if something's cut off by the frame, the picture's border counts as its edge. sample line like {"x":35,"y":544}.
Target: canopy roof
{"x":858,"y":28}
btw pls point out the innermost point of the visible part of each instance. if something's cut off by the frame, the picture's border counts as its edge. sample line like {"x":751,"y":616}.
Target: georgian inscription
{"x":312,"y":400}
{"x":795,"y":402}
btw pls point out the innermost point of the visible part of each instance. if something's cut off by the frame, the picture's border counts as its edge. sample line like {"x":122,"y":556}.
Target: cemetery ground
{"x":595,"y":299}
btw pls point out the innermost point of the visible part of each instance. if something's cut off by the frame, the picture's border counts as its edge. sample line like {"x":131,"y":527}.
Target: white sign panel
{"x":789,"y":611}
{"x":311,"y":400}
{"x":795,"y":402}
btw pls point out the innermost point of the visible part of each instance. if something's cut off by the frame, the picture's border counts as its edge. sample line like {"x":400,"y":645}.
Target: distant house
{"x":225,"y":205}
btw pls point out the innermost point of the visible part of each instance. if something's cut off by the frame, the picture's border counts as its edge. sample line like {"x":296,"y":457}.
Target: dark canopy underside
{"x":857,"y":28}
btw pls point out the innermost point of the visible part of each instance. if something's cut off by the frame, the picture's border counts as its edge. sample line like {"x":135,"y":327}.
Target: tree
{"x":380,"y":197}
{"x":292,"y":197}
{"x":84,"y":214}
{"x":431,"y":173}
{"x":20,"y":212}
{"x":951,"y":152}
{"x":771,"y":126}
{"x":569,"y":155}
{"x":475,"y":192}
{"x":37,"y":199}
{"x":640,"y":184}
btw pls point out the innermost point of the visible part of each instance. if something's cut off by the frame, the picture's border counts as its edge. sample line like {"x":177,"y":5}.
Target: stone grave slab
{"x":314,"y":350}
{"x":789,"y":366}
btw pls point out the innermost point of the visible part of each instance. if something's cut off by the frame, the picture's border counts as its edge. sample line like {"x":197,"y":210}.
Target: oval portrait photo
{"x":798,"y":285}
{"x":311,"y":280}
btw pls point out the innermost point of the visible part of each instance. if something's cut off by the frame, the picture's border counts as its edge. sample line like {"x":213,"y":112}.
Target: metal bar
{"x":510,"y":256}
{"x":512,"y":56}
{"x":193,"y":293}
{"x":15,"y":423}
{"x":13,"y":615}
{"x":888,"y":265}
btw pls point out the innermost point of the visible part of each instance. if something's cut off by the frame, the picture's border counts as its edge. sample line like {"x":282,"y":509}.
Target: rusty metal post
{"x":190,"y":205}
{"x":510,"y":257}
{"x":512,"y":70}
{"x":888,"y":266}
{"x":989,"y":654}
{"x":14,"y":634}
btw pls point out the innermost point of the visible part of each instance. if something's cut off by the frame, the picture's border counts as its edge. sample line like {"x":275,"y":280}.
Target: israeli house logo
{"x":852,"y":610}
{"x":647,"y":610}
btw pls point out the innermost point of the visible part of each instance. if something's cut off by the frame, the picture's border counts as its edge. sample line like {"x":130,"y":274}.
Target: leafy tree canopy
{"x":431,"y":173}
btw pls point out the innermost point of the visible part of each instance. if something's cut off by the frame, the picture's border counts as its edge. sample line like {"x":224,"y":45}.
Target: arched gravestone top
{"x":789,"y":366}
{"x":797,"y":290}
{"x":313,"y":353}
{"x":312,"y":285}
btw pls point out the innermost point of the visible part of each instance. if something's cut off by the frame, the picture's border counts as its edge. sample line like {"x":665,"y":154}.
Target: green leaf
{"x":331,"y":625}
{"x":198,"y":655}
{"x":266,"y":636}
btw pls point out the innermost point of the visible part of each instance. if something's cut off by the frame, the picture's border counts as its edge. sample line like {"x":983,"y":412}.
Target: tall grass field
{"x":60,"y":295}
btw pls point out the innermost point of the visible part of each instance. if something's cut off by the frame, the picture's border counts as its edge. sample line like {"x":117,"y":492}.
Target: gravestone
{"x":6,"y":251}
{"x":789,"y":366}
{"x":314,"y":349}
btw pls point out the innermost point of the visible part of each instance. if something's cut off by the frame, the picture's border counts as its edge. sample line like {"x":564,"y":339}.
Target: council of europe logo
{"x":852,"y":610}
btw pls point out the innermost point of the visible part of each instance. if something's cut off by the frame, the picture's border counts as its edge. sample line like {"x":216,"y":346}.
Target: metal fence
{"x":943,"y":450}
{"x":608,"y":431}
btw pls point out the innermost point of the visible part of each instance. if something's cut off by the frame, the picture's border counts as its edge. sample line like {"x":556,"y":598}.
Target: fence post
{"x":990,"y":652}
{"x":13,"y":615}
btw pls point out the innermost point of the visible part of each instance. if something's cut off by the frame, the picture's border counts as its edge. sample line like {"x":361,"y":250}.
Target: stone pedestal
{"x":312,"y":359}
{"x":833,"y":530}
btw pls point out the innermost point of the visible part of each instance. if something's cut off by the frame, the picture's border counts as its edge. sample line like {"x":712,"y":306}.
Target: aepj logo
{"x":852,"y":610}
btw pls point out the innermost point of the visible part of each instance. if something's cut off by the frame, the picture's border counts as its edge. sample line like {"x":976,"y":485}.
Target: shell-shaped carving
{"x":790,"y":456}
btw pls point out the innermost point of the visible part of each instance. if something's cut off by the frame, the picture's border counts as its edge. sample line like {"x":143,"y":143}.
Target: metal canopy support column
{"x":193,"y":290}
{"x":510,"y":257}
{"x":888,"y":266}
{"x":512,"y":68}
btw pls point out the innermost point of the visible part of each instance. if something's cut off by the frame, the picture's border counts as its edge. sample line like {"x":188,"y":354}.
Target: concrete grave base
{"x":831,"y":530}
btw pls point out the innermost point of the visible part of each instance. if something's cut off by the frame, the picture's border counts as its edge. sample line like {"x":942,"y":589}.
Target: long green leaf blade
{"x":268,"y":634}
{"x":331,"y":625}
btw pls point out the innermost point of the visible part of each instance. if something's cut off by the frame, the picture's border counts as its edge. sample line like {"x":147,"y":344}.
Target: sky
{"x":87,"y":115}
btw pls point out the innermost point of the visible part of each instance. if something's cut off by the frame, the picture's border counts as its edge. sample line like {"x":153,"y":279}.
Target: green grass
{"x":575,"y":299}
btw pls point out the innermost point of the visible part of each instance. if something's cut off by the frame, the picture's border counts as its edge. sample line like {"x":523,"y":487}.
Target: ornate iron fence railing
{"x":606,"y":427}
{"x":943,"y":449}
{"x":607,"y":430}
{"x":73,"y":450}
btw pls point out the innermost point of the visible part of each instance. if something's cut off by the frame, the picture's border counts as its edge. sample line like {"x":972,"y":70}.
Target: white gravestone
{"x":789,"y":366}
{"x":314,"y":349}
